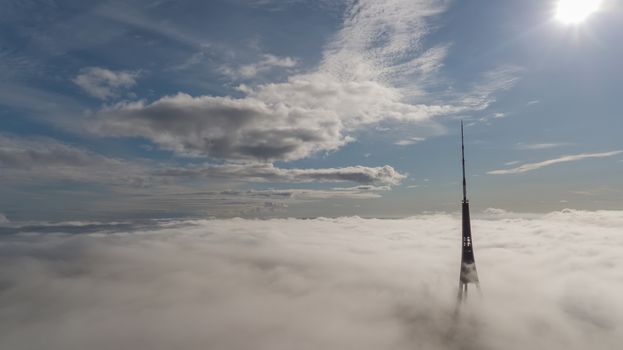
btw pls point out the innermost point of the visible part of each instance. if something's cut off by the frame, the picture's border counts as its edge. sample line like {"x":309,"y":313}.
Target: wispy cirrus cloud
{"x":409,"y":141}
{"x":538,"y":146}
{"x":127,"y":14}
{"x":267,"y":63}
{"x":570,"y":158}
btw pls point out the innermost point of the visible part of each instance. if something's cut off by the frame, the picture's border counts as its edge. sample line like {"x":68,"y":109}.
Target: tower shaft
{"x":468,"y":273}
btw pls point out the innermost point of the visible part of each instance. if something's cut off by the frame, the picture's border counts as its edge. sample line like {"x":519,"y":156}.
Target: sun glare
{"x":575,"y":11}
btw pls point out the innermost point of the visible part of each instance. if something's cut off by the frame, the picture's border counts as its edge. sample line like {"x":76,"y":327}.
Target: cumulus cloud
{"x":223,"y":127}
{"x":104,"y":83}
{"x":570,"y":158}
{"x":284,"y":121}
{"x":550,"y":281}
{"x":268,"y":173}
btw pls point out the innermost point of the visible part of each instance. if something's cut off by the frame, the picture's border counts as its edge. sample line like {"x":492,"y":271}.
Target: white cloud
{"x":549,"y":281}
{"x":381,"y":38}
{"x":104,"y":83}
{"x":267,"y":63}
{"x":538,"y":146}
{"x":409,"y":141}
{"x":570,"y":158}
{"x":495,"y":211}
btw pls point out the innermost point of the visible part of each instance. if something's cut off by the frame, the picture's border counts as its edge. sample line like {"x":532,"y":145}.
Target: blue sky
{"x":304,"y":108}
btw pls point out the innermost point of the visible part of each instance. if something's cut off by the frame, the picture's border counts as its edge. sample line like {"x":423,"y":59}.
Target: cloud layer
{"x":374,"y":69}
{"x":549,"y":281}
{"x":385,"y":175}
{"x":42,"y":158}
{"x":24,"y":158}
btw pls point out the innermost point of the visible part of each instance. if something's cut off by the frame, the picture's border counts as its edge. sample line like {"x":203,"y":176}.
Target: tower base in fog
{"x":468,"y":275}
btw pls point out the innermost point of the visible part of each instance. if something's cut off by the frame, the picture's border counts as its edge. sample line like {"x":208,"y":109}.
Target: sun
{"x":575,"y":11}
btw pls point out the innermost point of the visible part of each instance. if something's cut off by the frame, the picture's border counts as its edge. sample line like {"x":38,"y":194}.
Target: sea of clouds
{"x":549,"y":281}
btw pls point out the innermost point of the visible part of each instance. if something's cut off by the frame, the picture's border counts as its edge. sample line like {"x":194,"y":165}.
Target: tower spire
{"x":468,"y":272}
{"x":463,"y":165}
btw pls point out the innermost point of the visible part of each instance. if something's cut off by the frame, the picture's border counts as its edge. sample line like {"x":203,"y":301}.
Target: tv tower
{"x":468,"y":264}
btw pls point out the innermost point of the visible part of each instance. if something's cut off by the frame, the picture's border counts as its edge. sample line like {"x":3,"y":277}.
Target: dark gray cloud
{"x":101,"y":186}
{"x":385,"y":175}
{"x":549,"y":281}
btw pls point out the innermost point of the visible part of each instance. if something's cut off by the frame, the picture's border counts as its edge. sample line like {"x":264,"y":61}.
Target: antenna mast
{"x":463,"y":163}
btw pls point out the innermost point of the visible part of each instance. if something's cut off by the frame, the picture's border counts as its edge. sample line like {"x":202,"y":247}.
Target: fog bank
{"x":549,"y":282}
